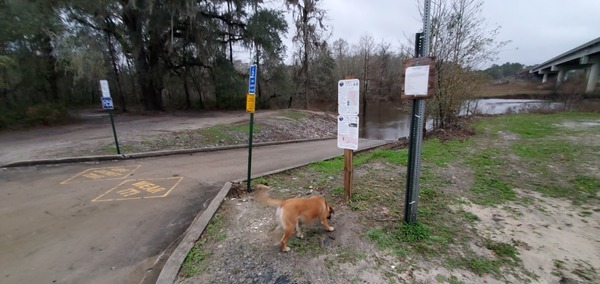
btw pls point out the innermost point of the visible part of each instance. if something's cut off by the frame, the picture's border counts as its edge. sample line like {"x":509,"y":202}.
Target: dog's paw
{"x":300,"y":236}
{"x":330,"y":229}
{"x":286,"y":249}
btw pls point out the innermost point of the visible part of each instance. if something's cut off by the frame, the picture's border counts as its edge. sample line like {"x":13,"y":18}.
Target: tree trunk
{"x":151,"y":83}
{"x":366,"y":82}
{"x":199,"y":90}
{"x":188,"y":103}
{"x":113,"y":59}
{"x":147,"y":63}
{"x":50,"y":73}
{"x":305,"y":59}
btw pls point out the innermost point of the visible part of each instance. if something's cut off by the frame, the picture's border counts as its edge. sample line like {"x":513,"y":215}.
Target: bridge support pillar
{"x":593,"y":77}
{"x":545,"y":79}
{"x":561,"y":77}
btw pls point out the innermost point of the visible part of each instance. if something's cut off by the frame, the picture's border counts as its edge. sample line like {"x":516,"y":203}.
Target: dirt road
{"x":94,"y":131}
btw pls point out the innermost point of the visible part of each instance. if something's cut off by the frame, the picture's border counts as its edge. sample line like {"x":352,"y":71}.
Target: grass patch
{"x":408,"y":237}
{"x":412,"y":233}
{"x":580,"y":190}
{"x":490,"y":186}
{"x":335,"y":165}
{"x":481,"y":265}
{"x":225,"y":133}
{"x":330,"y":166}
{"x":546,"y":151}
{"x":310,"y":244}
{"x":194,"y":261}
{"x":587,"y":185}
{"x":396,"y":157}
{"x":294,"y":115}
{"x":525,"y":125}
{"x":503,"y":250}
{"x":442,"y":153}
{"x":471,"y":217}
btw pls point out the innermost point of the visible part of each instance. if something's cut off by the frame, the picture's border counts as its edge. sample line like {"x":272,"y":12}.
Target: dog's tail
{"x":262,"y":196}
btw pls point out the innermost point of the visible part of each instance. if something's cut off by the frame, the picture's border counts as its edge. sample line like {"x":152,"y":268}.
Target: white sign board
{"x":104,"y":88}
{"x":348,"y":132}
{"x":348,"y":97}
{"x":416,"y":80}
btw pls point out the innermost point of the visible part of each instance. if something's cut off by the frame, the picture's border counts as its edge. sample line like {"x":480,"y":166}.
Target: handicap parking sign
{"x":107,"y":103}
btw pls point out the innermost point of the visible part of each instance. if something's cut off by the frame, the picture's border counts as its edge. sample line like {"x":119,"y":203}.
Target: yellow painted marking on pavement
{"x":132,"y":189}
{"x":107,"y":173}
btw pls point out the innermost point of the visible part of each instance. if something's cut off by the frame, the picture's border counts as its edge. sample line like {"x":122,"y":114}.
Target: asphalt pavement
{"x":120,"y":221}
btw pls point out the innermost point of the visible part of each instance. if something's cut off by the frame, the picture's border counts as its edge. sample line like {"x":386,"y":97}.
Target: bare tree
{"x":341,"y":54}
{"x":461,"y":41}
{"x":572,"y":90}
{"x":366,"y":47}
{"x":308,"y":18}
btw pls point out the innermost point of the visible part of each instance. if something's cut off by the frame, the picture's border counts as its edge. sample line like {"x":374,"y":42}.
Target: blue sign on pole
{"x":252,"y":80}
{"x":107,"y":103}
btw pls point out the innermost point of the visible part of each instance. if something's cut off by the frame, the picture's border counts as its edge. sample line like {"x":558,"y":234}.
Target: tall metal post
{"x":416,"y":130}
{"x":248,"y":189}
{"x":112,"y":122}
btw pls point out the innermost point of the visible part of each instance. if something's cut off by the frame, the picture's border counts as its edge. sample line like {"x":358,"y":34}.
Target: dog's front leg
{"x":326,"y":225}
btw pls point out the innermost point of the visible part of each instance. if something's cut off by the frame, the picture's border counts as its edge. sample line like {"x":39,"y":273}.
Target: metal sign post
{"x":250,"y":107}
{"x":107,"y":104}
{"x":417,"y":77}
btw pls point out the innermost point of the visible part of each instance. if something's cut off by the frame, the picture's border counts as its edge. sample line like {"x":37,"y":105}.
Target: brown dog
{"x":291,"y":212}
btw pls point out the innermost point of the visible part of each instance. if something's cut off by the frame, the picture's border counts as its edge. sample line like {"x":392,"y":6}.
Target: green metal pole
{"x":250,"y":150}
{"x":112,"y":122}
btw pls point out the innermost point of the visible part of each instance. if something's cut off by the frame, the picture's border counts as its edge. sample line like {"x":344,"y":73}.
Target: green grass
{"x":525,"y":125}
{"x":472,"y":217}
{"x":224,"y":133}
{"x":503,"y":250}
{"x":587,"y":185}
{"x":294,"y":115}
{"x":546,"y":151}
{"x":442,"y":153}
{"x":336,"y":165}
{"x":580,"y":189}
{"x":330,"y":166}
{"x":214,"y":232}
{"x":310,"y":244}
{"x":412,"y":233}
{"x":481,"y":265}
{"x":490,"y":186}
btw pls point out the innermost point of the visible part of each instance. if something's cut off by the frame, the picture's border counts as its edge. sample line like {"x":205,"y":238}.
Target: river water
{"x":388,"y":121}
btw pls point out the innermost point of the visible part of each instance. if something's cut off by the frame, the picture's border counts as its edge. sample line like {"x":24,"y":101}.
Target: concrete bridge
{"x":585,"y":56}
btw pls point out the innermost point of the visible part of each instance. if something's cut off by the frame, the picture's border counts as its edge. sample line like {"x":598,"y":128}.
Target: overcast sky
{"x":538,"y":29}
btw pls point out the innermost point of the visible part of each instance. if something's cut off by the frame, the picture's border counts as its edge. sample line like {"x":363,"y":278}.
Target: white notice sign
{"x":348,"y":132}
{"x":416,"y":80}
{"x":104,"y":88}
{"x":348,"y":97}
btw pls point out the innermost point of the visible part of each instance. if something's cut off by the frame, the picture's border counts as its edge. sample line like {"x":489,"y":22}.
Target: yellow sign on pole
{"x":250,"y":102}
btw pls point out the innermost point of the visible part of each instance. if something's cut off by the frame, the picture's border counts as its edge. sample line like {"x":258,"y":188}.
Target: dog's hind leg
{"x":298,"y":232}
{"x":286,"y":235}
